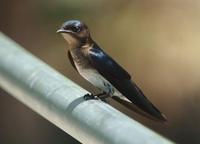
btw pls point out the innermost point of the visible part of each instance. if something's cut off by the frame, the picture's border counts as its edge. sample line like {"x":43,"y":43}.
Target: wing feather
{"x":121,"y":80}
{"x":106,"y":65}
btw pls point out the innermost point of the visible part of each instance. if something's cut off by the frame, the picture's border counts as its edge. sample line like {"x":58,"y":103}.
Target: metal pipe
{"x":60,"y":101}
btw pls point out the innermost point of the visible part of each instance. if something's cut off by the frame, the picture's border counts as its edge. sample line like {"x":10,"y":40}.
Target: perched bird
{"x":93,"y":64}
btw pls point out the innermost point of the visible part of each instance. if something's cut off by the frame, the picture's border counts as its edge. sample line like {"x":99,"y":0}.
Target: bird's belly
{"x":97,"y":80}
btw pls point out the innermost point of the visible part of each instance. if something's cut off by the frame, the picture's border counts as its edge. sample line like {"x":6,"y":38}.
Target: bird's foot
{"x":100,"y":96}
{"x":90,"y":96}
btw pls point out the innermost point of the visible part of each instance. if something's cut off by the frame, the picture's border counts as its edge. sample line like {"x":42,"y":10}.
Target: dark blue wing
{"x":121,"y":80}
{"x":106,"y":65}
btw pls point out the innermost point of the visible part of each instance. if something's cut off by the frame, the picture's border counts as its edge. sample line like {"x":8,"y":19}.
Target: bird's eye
{"x":76,"y":29}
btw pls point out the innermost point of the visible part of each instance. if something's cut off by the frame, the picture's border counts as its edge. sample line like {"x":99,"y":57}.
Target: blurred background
{"x":157,"y":41}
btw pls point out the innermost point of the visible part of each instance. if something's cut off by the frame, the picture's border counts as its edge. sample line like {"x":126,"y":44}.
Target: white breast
{"x":97,"y":80}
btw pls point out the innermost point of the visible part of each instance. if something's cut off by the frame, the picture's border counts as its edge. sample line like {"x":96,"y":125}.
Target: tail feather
{"x":136,"y":109}
{"x":136,"y":96}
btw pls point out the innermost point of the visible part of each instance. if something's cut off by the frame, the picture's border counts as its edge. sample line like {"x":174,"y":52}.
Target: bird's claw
{"x":90,"y":96}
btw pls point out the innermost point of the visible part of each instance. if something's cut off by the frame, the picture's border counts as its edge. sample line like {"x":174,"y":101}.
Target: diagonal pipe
{"x":60,"y":101}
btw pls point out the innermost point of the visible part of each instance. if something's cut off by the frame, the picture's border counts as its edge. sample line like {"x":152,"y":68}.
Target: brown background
{"x":157,"y":41}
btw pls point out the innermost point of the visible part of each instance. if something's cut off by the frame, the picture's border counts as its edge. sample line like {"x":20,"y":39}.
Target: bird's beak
{"x":63,"y":31}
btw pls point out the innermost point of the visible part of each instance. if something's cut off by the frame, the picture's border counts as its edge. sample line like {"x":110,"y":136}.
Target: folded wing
{"x":121,"y":80}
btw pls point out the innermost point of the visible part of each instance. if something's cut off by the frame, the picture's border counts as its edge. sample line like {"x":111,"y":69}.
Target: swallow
{"x":97,"y":67}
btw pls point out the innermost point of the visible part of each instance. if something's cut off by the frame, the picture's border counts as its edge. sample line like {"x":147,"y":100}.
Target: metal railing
{"x":60,"y":101}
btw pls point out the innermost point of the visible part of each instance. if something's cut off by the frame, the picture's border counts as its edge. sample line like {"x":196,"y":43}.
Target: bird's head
{"x":75,"y":33}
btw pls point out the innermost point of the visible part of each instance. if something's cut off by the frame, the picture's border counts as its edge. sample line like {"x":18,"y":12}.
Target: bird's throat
{"x":72,"y":41}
